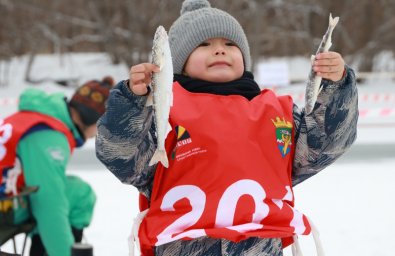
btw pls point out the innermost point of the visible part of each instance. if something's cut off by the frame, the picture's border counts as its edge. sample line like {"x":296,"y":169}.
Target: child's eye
{"x":230,"y":43}
{"x":204,"y":44}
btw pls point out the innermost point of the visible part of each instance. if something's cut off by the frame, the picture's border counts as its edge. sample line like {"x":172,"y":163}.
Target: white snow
{"x":351,"y":202}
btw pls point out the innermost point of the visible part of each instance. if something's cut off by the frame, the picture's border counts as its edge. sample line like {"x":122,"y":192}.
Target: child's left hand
{"x":329,"y":65}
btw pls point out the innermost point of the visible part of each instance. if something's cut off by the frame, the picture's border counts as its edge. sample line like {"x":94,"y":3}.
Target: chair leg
{"x":14,"y":243}
{"x":24,"y":245}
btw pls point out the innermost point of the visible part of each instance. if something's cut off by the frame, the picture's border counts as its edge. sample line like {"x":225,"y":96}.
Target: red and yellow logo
{"x":183,"y":138}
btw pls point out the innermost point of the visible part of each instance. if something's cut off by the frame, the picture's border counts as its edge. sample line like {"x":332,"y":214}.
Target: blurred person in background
{"x":38,"y":141}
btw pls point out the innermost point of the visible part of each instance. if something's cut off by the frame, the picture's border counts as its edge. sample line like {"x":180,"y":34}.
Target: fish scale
{"x":313,"y":85}
{"x":162,"y":94}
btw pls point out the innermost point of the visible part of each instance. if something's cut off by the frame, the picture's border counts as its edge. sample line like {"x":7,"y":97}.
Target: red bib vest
{"x":229,"y":175}
{"x":11,"y":131}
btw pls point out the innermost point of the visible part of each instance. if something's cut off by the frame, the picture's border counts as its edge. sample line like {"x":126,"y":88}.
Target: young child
{"x":235,"y":152}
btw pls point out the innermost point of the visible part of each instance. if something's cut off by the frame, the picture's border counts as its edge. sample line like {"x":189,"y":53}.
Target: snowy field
{"x":351,"y":202}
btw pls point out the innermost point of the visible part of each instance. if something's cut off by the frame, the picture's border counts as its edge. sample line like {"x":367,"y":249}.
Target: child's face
{"x":89,"y":131}
{"x":215,"y":60}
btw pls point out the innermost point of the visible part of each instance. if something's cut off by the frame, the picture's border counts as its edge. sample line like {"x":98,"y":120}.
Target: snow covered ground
{"x":351,"y":202}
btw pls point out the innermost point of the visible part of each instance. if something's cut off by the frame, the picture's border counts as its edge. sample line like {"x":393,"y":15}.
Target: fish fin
{"x":333,"y":21}
{"x":312,"y":59}
{"x":171,"y":98}
{"x":159,"y":156}
{"x":319,"y":90}
{"x":150,"y":100}
{"x":307,"y":109}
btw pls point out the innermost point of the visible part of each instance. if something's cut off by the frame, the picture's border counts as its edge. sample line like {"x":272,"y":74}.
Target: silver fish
{"x":313,"y":85}
{"x":162,"y":93}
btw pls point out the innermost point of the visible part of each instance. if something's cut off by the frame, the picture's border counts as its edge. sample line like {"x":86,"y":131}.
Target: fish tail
{"x":159,"y":156}
{"x":333,"y":21}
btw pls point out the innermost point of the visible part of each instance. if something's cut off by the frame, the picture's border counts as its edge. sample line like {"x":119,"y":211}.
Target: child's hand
{"x":329,"y":65}
{"x":140,"y":77}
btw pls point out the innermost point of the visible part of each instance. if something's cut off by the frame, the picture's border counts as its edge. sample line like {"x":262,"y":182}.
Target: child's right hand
{"x":140,"y":77}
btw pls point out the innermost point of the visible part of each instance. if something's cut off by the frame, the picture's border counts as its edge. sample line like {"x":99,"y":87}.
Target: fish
{"x":313,"y":84}
{"x":161,"y":96}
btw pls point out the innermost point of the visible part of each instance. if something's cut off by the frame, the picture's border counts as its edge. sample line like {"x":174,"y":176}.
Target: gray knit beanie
{"x":199,"y":22}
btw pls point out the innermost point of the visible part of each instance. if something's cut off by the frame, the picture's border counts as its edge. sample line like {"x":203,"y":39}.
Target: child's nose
{"x":220,"y":51}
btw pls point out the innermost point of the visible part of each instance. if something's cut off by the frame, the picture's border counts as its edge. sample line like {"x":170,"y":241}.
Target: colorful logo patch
{"x":283,"y":135}
{"x":183,"y":138}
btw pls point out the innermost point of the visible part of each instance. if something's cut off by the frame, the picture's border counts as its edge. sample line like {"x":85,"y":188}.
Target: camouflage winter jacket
{"x":126,"y":142}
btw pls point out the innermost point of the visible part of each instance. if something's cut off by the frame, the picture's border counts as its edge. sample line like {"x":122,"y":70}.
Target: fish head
{"x":158,"y":46}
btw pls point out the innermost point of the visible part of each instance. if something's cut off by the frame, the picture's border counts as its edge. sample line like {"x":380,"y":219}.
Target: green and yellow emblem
{"x":283,"y":135}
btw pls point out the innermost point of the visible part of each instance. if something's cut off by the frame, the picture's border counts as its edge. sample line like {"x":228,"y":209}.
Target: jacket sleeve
{"x":44,"y":162}
{"x":126,"y":138}
{"x":325,"y":134}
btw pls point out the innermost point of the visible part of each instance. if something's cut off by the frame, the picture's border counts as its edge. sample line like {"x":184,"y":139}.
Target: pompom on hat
{"x":90,"y":99}
{"x":199,"y":22}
